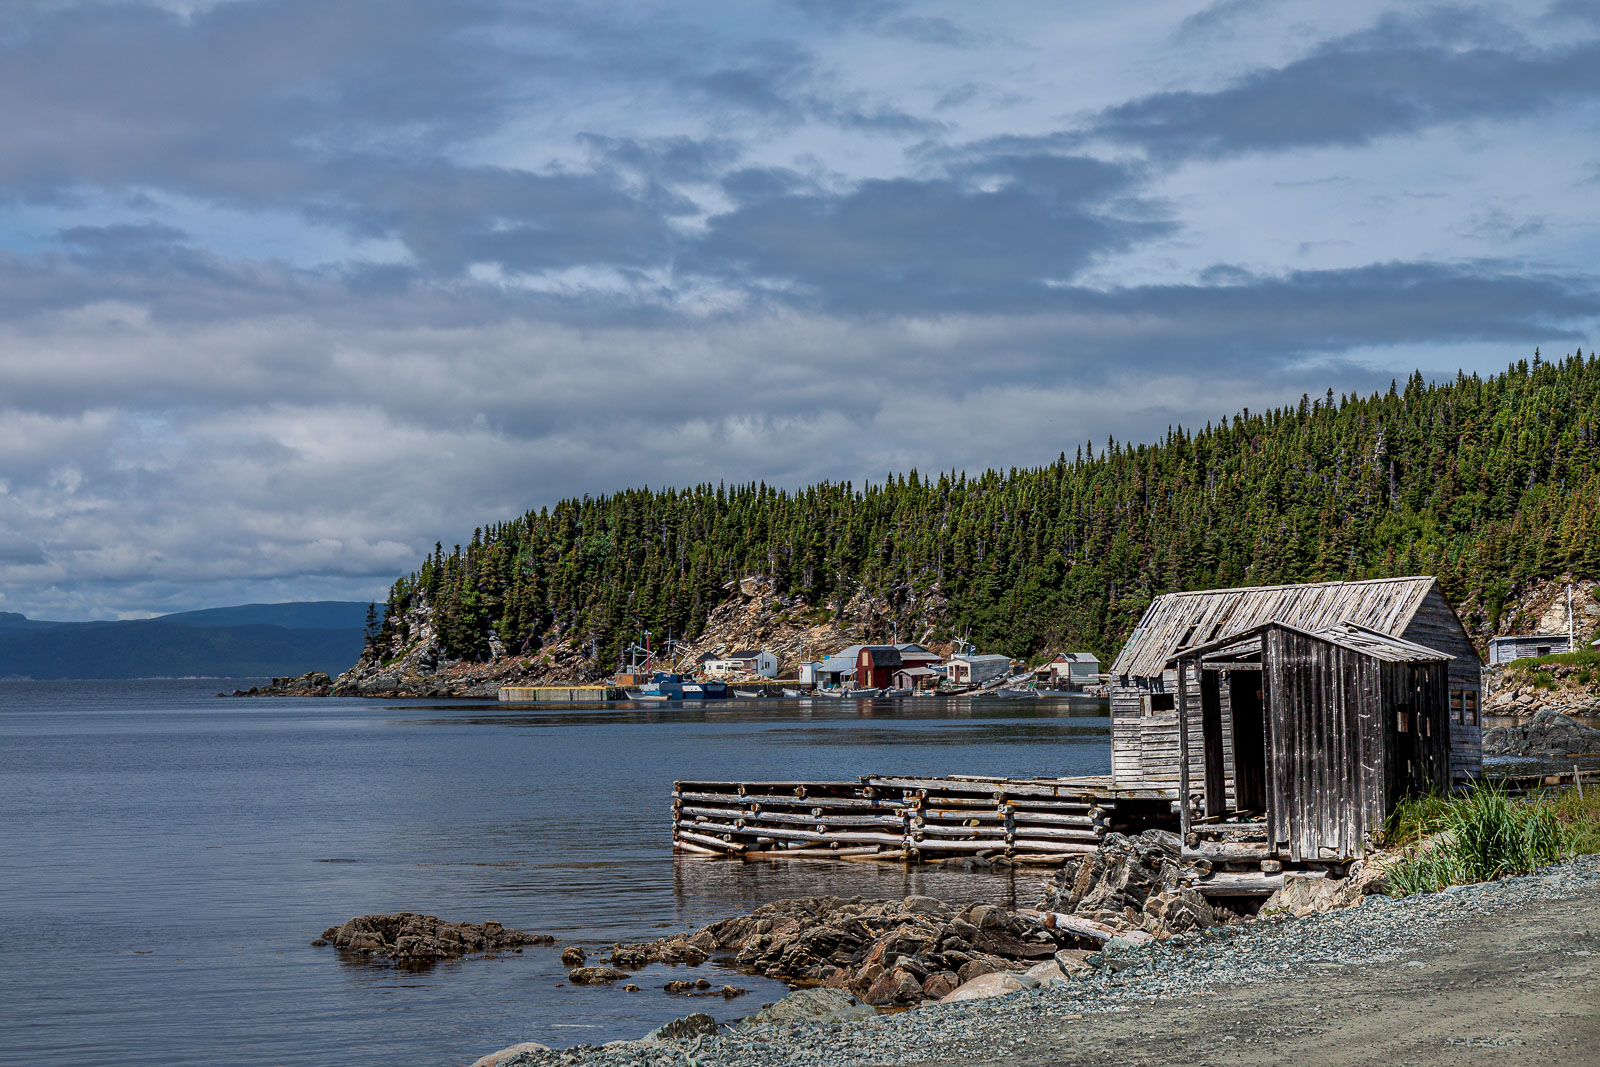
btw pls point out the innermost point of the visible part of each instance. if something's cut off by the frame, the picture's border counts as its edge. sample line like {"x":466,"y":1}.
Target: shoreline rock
{"x":1549,"y":734}
{"x":309,"y":684}
{"x":411,"y":939}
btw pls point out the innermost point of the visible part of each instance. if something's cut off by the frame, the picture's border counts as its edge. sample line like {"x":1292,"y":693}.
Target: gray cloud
{"x":528,"y":252}
{"x":1399,"y":77}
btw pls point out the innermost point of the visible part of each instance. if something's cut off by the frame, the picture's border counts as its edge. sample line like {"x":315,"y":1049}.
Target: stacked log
{"x":882,"y":818}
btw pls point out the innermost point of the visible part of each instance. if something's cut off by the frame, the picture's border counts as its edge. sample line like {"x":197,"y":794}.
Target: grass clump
{"x":1485,"y":835}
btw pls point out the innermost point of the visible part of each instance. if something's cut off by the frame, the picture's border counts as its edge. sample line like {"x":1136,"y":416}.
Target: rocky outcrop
{"x":309,"y":684}
{"x":820,"y":1005}
{"x":1549,"y":734}
{"x":885,"y":952}
{"x":600,"y":975}
{"x":409,"y":938}
{"x":1132,"y":883}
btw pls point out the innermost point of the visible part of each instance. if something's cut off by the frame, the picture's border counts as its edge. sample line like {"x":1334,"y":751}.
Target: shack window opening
{"x":1457,"y":706}
{"x":1156,"y":703}
{"x":1544,"y":650}
{"x":1402,"y":721}
{"x":1472,"y":714}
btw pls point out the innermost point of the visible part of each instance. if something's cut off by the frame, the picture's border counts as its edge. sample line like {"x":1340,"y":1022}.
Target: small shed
{"x":917,"y":678}
{"x":1347,"y":721}
{"x":833,"y":670}
{"x":1070,"y":668}
{"x":875,"y":666}
{"x":1521,"y":646}
{"x":1145,"y":740}
{"x":975,"y":670}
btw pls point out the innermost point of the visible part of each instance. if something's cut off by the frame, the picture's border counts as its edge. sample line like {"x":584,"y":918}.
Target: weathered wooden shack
{"x":1344,"y":722}
{"x":1145,"y":744}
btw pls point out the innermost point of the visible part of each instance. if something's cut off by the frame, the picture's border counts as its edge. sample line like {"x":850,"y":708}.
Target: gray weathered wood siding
{"x":1437,"y":626}
{"x":1336,"y":759}
{"x":1145,"y":748}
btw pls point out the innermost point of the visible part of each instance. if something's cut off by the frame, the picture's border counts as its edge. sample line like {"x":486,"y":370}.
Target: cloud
{"x":1399,"y":77}
{"x":289,"y":290}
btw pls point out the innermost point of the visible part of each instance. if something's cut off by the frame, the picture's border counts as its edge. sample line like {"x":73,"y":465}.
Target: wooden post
{"x":1183,"y":747}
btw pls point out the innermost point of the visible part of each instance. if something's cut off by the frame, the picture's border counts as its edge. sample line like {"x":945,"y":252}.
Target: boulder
{"x":594,"y":975}
{"x":817,"y":1005}
{"x":690,"y":1026}
{"x":1548,"y":734}
{"x":1070,"y":961}
{"x":1046,"y":974}
{"x":409,"y":938}
{"x":573,"y":956}
{"x":937,"y":985}
{"x":494,"y":1059}
{"x":985,"y":986}
{"x":899,"y":986}
{"x":1176,"y":911}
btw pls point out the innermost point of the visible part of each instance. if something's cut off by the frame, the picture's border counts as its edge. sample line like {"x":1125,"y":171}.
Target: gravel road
{"x":1507,"y":972}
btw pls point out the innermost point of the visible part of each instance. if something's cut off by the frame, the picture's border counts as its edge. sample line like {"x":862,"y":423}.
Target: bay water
{"x":166,"y":858}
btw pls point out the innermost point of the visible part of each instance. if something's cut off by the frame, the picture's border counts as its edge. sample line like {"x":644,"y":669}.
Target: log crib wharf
{"x":913,"y":820}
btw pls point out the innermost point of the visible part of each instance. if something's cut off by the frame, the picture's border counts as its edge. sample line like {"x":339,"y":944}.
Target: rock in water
{"x":985,"y":986}
{"x":494,"y":1059}
{"x":594,"y":975}
{"x":407,"y":937}
{"x":697,"y":1025}
{"x":819,"y":1005}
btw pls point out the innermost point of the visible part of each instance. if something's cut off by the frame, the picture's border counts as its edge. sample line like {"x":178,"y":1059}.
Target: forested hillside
{"x":1482,"y":481}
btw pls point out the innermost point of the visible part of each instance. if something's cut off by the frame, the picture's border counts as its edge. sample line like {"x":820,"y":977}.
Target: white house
{"x":1071,"y":668}
{"x":969,"y":669}
{"x":757,"y":661}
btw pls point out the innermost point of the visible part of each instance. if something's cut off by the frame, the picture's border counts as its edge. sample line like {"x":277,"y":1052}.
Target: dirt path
{"x":1516,"y":988}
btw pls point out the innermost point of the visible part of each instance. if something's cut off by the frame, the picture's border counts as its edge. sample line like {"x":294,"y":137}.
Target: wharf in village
{"x":1271,"y":727}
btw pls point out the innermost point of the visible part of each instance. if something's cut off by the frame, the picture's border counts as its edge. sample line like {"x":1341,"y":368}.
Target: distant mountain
{"x":305,"y":615}
{"x":247,"y":641}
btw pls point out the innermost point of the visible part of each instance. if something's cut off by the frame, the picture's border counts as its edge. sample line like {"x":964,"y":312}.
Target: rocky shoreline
{"x":1120,"y":977}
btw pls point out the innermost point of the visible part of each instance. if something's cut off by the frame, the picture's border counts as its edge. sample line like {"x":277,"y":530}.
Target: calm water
{"x":166,"y":857}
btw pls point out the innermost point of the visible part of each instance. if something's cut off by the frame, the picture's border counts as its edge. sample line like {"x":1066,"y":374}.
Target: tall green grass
{"x":1485,"y":835}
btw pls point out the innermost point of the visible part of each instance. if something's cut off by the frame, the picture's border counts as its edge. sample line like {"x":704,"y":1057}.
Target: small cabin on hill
{"x":1519,"y":646}
{"x":1302,"y":702}
{"x":967,"y":669}
{"x":1070,"y":668}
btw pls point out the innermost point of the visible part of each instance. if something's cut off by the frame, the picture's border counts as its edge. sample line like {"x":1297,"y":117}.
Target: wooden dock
{"x":559,"y":694}
{"x":911,"y":820}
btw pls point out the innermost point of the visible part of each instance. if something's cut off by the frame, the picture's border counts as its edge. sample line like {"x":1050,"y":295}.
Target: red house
{"x":875,"y":666}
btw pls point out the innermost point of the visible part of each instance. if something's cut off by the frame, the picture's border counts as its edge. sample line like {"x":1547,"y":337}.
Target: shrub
{"x":1544,"y":680}
{"x":1482,"y":836}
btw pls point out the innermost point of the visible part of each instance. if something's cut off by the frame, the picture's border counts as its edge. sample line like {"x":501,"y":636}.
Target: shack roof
{"x":1346,"y":635}
{"x":745,"y":653}
{"x":917,"y":672}
{"x":1182,"y":620}
{"x":988,"y":658}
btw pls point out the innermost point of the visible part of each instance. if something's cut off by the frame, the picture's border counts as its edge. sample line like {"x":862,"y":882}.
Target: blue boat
{"x":668,"y":685}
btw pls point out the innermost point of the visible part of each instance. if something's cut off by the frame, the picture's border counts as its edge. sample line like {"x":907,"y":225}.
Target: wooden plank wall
{"x":1436,"y":626}
{"x":1144,"y":748}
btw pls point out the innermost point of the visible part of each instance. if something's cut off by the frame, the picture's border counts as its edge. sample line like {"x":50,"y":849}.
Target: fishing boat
{"x":794,"y":694}
{"x":670,"y":685}
{"x":898,"y":692}
{"x":749,"y":694}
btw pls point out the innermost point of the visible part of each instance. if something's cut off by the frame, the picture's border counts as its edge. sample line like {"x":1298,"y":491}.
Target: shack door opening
{"x":1246,"y":696}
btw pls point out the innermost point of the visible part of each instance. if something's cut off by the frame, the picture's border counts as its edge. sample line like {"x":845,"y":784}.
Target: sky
{"x":292,"y":289}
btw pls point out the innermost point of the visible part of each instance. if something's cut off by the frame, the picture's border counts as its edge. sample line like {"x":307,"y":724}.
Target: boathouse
{"x":875,"y":666}
{"x":1345,"y":722}
{"x":1347,"y":657}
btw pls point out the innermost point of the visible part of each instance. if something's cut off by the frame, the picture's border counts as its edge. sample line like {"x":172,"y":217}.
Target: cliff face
{"x":752,"y":616}
{"x":1540,"y":607}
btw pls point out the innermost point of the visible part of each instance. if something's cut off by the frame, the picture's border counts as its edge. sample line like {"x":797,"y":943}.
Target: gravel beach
{"x":1507,"y":969}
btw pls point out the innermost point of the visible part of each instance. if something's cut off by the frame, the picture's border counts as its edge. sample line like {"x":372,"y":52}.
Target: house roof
{"x":916,"y":672}
{"x":748,"y":653}
{"x":1531,"y":637}
{"x":882,"y":655}
{"x":1345,"y":635}
{"x":989,"y":658}
{"x":1076,"y":657}
{"x":1184,"y":620}
{"x":842,"y":660}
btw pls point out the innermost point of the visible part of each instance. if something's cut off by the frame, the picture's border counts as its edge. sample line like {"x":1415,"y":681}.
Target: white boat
{"x":749,"y":694}
{"x":794,"y":694}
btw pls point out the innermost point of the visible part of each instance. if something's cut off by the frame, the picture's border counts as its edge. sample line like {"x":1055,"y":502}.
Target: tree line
{"x":1483,"y":481}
